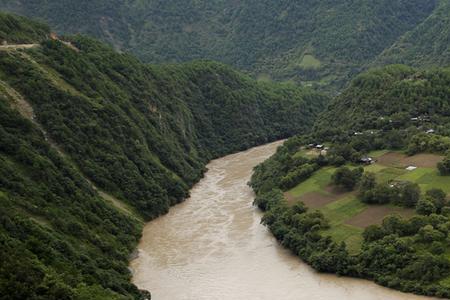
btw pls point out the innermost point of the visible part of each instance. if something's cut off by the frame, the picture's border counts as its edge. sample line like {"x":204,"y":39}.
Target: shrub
{"x":346,"y":178}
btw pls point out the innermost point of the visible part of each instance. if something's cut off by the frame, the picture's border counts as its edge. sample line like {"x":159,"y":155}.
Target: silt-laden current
{"x":213,"y":246}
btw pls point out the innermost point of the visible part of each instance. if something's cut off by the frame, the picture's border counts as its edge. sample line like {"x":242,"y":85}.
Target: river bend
{"x":213,"y":247}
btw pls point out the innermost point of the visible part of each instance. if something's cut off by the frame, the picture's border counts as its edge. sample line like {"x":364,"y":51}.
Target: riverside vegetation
{"x":322,"y":205}
{"x":93,"y":143}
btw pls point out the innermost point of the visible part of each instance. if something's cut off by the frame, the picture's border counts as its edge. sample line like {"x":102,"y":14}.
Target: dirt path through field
{"x":18,"y":46}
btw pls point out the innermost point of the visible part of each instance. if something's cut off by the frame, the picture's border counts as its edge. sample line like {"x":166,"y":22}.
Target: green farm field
{"x":348,"y":217}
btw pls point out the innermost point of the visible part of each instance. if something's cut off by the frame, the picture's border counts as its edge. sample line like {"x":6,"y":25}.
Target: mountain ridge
{"x":320,"y":43}
{"x":94,"y":142}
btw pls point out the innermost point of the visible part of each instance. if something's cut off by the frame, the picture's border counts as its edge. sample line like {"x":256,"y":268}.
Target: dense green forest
{"x":424,"y":46}
{"x":320,"y":42}
{"x":58,"y":238}
{"x":396,"y":100}
{"x":93,"y":143}
{"x":144,"y":132}
{"x":20,"y":30}
{"x":395,"y":110}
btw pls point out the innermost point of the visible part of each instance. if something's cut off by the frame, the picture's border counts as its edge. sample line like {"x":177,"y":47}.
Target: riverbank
{"x":212,"y":246}
{"x":407,"y":254}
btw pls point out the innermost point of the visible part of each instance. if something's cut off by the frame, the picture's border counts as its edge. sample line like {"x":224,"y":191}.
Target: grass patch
{"x":264,"y":77}
{"x":309,"y":62}
{"x":342,"y":210}
{"x":316,"y":183}
{"x":416,"y":175}
{"x":351,"y":235}
{"x":337,"y":213}
{"x":429,"y":179}
{"x":374,"y":168}
{"x":348,"y":216}
{"x":387,"y":174}
{"x":308,"y":153}
{"x":378,"y":153}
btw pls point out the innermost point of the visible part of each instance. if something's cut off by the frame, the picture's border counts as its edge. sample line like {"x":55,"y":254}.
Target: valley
{"x":145,"y":164}
{"x":224,"y":252}
{"x":322,"y":44}
{"x":93,"y":143}
{"x":365,"y":194}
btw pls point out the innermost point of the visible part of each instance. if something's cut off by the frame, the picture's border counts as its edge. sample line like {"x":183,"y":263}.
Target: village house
{"x":367,"y":160}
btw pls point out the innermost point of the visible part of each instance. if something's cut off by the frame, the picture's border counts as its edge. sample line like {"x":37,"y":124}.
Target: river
{"x":213,"y":246}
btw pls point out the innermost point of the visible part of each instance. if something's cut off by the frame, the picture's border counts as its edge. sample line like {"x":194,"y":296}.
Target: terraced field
{"x":347,"y":215}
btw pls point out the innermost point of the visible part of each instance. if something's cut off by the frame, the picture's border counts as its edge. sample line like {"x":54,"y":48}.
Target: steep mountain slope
{"x":393,"y":97}
{"x":320,"y":41}
{"x":145,"y":132}
{"x":92,"y":142}
{"x":426,"y":45}
{"x":58,"y":238}
{"x":387,"y":140}
{"x":20,"y":30}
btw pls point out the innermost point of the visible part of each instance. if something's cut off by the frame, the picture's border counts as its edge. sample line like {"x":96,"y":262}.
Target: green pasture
{"x":348,"y":206}
{"x":428,"y":178}
{"x":337,"y":213}
{"x":378,"y":153}
{"x":316,"y":183}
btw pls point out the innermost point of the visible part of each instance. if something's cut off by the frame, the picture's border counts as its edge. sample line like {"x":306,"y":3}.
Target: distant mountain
{"x":320,"y":42}
{"x":428,"y":44}
{"x":93,"y":142}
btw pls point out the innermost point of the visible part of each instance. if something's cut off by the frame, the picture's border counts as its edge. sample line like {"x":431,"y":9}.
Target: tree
{"x":342,"y":150}
{"x":438,"y":197}
{"x":425,"y":207}
{"x":446,"y":211}
{"x":373,"y":233}
{"x":298,"y":175}
{"x":428,"y":234}
{"x":409,"y":194}
{"x":437,"y":248}
{"x":380,"y":194}
{"x":346,"y":178}
{"x":368,"y":181}
{"x":444,"y":167}
{"x":427,"y":268}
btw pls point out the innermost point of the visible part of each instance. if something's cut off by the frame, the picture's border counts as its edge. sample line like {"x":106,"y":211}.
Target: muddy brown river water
{"x":213,"y":247}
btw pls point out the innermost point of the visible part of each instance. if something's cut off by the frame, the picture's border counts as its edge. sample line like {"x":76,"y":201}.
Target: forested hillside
{"x":426,"y":45}
{"x":20,"y":30}
{"x":58,"y":238}
{"x":322,"y":42}
{"x":393,"y":98}
{"x":92,"y":142}
{"x":365,"y":194}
